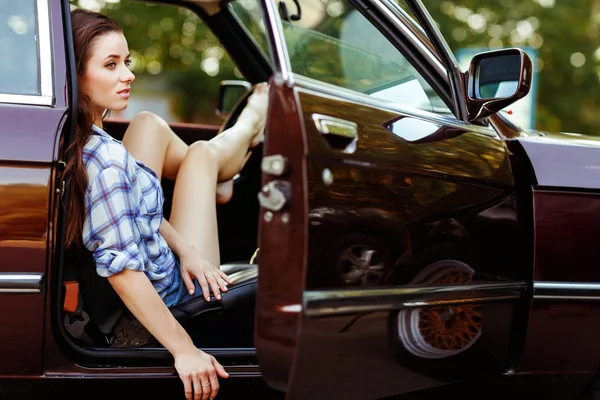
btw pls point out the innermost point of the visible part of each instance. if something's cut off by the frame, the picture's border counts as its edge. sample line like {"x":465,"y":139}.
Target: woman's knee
{"x":203,"y":152}
{"x":147,"y":117}
{"x":149,"y":125}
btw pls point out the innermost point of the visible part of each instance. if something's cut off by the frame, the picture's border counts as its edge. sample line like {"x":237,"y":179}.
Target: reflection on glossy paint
{"x":24,"y":202}
{"x":23,"y":212}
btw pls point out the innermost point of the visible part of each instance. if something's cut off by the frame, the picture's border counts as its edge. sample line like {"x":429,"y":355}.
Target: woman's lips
{"x":124,"y":93}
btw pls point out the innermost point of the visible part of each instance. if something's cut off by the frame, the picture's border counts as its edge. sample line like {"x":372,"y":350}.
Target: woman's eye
{"x":110,"y":65}
{"x":128,"y":63}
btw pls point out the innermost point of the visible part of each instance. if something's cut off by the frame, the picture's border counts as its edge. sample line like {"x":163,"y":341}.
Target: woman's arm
{"x":173,"y":239}
{"x":193,"y":265}
{"x":193,"y":365}
{"x":141,"y":298}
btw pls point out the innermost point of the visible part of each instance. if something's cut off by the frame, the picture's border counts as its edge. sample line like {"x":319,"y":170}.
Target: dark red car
{"x":410,"y":235}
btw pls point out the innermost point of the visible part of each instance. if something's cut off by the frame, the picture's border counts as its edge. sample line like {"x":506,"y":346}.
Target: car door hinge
{"x":275,"y":195}
{"x":276,"y":165}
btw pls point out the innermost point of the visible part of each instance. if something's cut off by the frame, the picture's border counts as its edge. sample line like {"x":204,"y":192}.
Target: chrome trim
{"x":566,"y":291}
{"x":238,"y":371}
{"x":328,"y":125}
{"x":280,"y":56}
{"x":323,"y":89}
{"x":45,"y":49}
{"x":320,"y":303}
{"x":21,"y":282}
{"x":26,"y":99}
{"x":46,"y":96}
{"x":394,"y":16}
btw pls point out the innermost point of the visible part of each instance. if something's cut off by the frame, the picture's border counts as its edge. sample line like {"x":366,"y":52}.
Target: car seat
{"x":224,"y":323}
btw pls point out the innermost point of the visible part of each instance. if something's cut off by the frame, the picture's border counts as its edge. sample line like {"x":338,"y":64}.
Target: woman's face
{"x":107,"y":76}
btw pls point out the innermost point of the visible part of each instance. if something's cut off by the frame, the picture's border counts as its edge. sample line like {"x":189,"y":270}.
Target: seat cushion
{"x":241,"y":291}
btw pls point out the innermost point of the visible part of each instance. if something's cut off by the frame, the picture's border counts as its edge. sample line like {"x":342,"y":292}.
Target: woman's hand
{"x":193,"y":265}
{"x":199,"y":373}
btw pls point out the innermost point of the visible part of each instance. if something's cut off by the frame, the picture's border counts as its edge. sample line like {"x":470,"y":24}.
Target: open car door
{"x":388,"y":226}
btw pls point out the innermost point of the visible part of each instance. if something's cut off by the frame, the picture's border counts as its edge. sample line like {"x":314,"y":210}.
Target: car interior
{"x":92,"y":315}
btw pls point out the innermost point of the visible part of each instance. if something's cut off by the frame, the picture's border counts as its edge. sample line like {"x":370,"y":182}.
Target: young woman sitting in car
{"x":115,"y":209}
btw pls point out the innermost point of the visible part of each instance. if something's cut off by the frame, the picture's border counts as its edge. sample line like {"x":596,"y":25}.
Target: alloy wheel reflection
{"x":445,"y":331}
{"x":361,"y":264}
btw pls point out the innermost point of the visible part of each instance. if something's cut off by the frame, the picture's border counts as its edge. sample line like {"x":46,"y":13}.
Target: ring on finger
{"x":205,"y":385}
{"x":209,"y":275}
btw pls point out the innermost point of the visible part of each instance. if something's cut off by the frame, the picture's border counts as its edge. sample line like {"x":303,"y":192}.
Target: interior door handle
{"x":339,"y":133}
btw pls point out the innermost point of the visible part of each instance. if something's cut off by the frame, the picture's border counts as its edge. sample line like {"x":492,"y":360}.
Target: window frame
{"x":44,"y":48}
{"x":414,"y":46}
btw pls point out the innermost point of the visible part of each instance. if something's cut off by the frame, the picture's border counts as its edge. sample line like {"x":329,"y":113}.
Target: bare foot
{"x":259,"y":103}
{"x":224,"y":192}
{"x":258,"y":137}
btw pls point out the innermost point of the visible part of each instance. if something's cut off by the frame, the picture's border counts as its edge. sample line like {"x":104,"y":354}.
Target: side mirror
{"x":230,"y":92}
{"x":497,"y":79}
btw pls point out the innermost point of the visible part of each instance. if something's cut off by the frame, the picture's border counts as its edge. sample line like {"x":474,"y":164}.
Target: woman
{"x":116,"y":203}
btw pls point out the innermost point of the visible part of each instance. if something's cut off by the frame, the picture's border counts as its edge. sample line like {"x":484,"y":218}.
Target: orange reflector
{"x":71,"y":296}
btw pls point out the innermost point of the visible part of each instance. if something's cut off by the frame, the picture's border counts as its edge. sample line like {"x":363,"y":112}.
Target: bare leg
{"x":198,"y":169}
{"x":150,"y":140}
{"x":193,"y":213}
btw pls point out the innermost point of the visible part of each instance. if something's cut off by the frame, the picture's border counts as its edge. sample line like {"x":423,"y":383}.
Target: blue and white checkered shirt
{"x":123,"y":203}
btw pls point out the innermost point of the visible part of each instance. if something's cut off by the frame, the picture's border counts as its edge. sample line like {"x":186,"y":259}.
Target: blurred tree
{"x":172,"y":44}
{"x":565,"y":35}
{"x":172,"y":48}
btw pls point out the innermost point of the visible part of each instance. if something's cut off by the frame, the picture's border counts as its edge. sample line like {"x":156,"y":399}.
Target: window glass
{"x":248,"y":14}
{"x":333,"y":42}
{"x":19,"y":64}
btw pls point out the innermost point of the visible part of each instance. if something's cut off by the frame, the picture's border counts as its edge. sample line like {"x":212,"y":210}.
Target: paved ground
{"x":513,"y":388}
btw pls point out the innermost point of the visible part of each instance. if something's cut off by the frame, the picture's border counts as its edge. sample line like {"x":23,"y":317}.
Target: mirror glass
{"x":497,"y":77}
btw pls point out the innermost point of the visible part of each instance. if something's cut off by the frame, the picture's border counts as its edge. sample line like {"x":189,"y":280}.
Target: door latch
{"x":275,"y":195}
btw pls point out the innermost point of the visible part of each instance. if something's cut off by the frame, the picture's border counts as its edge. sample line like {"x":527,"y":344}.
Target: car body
{"x":400,"y":248}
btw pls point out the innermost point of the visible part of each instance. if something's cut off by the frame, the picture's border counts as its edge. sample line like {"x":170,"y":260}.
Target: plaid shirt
{"x":123,"y":203}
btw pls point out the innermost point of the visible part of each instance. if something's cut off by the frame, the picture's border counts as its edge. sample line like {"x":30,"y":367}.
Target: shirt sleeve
{"x":110,"y":230}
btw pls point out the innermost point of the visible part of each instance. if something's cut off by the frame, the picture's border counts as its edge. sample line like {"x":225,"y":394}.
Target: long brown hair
{"x":87,"y":27}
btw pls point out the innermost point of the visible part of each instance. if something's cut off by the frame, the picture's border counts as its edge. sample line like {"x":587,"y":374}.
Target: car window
{"x":334,"y":43}
{"x":248,"y":14}
{"x":19,"y":64}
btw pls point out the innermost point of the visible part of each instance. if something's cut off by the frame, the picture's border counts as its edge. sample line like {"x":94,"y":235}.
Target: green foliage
{"x":568,"y":98}
{"x":174,"y":46}
{"x":176,"y":54}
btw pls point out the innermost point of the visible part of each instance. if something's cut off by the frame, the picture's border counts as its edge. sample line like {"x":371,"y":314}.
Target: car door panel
{"x":32,"y":114}
{"x":410,"y":275}
{"x":455,"y":203}
{"x":378,"y":218}
{"x":392,"y":186}
{"x":281,"y":277}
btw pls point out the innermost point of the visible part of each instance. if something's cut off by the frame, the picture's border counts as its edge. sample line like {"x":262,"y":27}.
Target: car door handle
{"x":339,"y":133}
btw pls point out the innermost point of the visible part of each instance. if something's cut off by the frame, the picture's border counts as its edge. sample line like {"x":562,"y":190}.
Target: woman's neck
{"x":98,"y":121}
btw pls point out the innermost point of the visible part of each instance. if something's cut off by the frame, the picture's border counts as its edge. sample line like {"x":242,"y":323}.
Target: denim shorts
{"x":177,"y":293}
